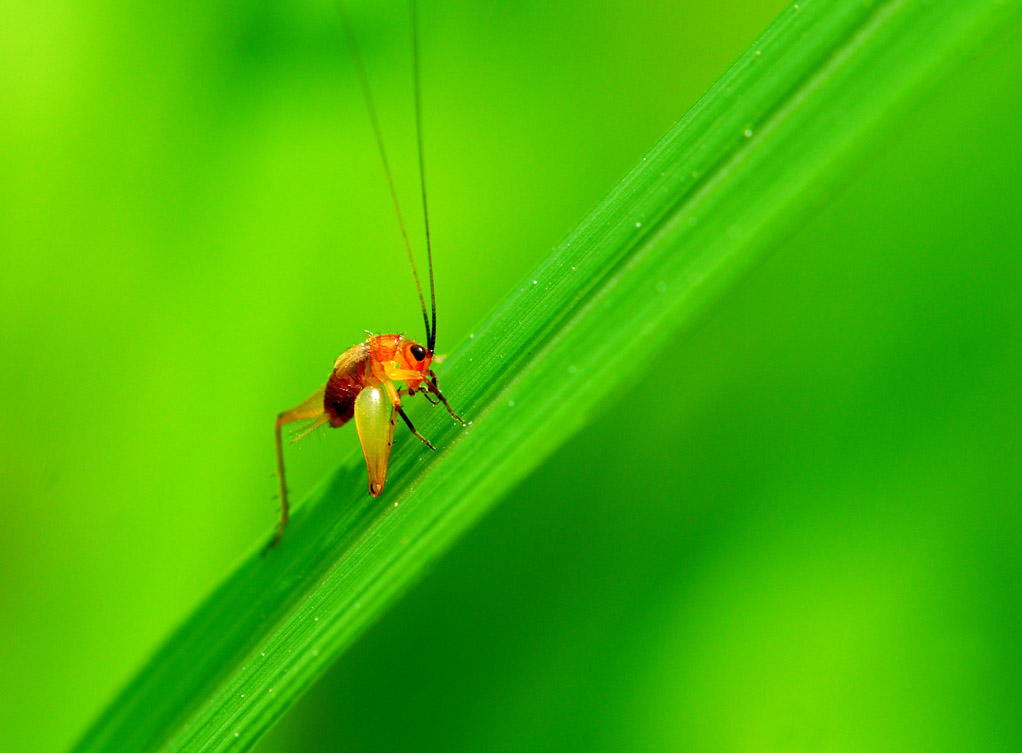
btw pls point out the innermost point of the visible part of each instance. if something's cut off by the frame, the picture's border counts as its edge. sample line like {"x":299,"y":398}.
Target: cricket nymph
{"x":362,"y":386}
{"x":363,"y":382}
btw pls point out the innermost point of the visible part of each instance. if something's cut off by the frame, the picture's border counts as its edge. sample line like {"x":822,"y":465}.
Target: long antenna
{"x":363,"y":80}
{"x":414,"y":8}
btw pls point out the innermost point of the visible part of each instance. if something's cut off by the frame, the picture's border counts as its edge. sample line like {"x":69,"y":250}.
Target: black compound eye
{"x":419,"y":352}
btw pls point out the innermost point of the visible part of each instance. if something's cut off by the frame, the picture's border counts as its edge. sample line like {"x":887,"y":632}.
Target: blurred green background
{"x":812,"y":538}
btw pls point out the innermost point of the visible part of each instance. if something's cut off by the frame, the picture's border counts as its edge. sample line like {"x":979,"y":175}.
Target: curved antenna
{"x":414,"y":8}
{"x":363,"y":80}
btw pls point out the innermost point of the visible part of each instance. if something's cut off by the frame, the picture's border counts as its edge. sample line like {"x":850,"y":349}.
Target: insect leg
{"x":395,"y":400}
{"x":311,"y":408}
{"x":431,"y":386}
{"x":424,"y":391}
{"x":408,"y":423}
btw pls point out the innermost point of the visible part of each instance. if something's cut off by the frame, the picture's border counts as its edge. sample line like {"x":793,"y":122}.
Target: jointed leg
{"x":395,"y":374}
{"x":311,"y":408}
{"x":395,"y":400}
{"x":408,"y":423}
{"x":431,"y":386}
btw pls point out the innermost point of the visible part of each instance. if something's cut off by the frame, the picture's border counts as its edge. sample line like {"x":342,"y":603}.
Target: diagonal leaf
{"x":778,"y":129}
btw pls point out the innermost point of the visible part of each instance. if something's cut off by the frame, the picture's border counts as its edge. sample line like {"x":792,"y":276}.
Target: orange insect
{"x":362,"y":384}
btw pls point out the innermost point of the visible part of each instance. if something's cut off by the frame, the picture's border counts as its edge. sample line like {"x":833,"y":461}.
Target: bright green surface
{"x":819,"y":537}
{"x":818,"y":547}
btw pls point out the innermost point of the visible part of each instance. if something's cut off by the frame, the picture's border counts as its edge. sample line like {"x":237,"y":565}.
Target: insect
{"x":362,"y":384}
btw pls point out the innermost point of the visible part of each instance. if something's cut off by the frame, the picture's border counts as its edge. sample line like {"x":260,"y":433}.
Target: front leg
{"x":431,"y":387}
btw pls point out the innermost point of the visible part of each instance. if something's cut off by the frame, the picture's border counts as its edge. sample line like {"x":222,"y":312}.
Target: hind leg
{"x":310,"y":408}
